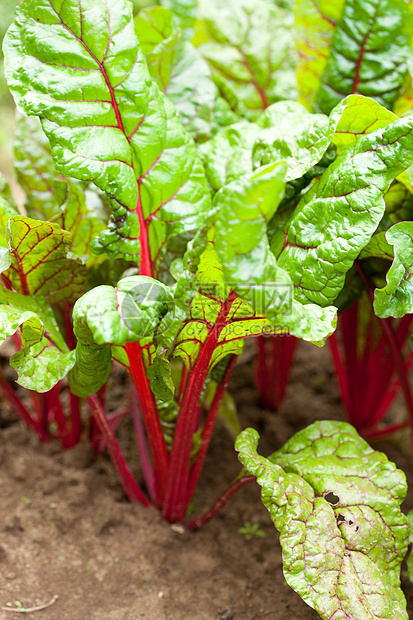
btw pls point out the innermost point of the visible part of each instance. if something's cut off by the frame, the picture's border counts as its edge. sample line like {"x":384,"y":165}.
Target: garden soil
{"x":67,"y":531}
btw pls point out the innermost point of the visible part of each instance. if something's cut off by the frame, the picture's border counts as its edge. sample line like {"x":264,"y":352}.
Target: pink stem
{"x":132,"y":490}
{"x":143,"y":452}
{"x":198,"y":522}
{"x":209,"y":427}
{"x":20,"y":409}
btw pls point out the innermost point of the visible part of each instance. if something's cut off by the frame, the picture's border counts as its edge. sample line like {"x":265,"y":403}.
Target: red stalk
{"x":145,"y":265}
{"x":175,"y":503}
{"x":208,"y":428}
{"x":113,"y":419}
{"x":55,"y":406}
{"x":20,"y":409}
{"x":391,"y":341}
{"x":143,"y":452}
{"x":382,"y":432}
{"x":150,"y":418}
{"x":132,"y":490}
{"x":198,"y":522}
{"x":75,"y":419}
{"x":272,"y":369}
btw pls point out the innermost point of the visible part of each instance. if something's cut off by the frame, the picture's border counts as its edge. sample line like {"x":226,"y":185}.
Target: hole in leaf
{"x":350,"y":522}
{"x":331,"y":498}
{"x":340,"y":519}
{"x":357,"y":528}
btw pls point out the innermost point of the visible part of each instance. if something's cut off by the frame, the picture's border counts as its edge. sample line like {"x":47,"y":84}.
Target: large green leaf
{"x":338,"y":216}
{"x":80,"y":69}
{"x":315,"y":22}
{"x":36,"y":172}
{"x":336,"y":503}
{"x":185,"y":12}
{"x":396,"y":298}
{"x":250,"y":45}
{"x":369,"y":52}
{"x":244,"y":208}
{"x":180,"y":72}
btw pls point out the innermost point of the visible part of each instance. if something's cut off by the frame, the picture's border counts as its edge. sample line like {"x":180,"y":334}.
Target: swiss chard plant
{"x":204,"y":209}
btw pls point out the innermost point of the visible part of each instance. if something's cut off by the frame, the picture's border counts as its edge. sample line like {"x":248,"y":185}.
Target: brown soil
{"x":67,"y":530}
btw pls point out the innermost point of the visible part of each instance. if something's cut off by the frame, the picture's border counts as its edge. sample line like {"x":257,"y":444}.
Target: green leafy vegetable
{"x":368,"y":53}
{"x":238,"y":40}
{"x":337,"y":217}
{"x":336,"y":503}
{"x":396,"y":298}
{"x":180,"y":72}
{"x":83,"y":73}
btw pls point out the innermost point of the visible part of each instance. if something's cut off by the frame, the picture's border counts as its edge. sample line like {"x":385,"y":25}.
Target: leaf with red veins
{"x":249,"y":45}
{"x":79,"y":67}
{"x":369,"y":53}
{"x":338,"y":216}
{"x":44,"y":358}
{"x":315,"y":22}
{"x":396,"y":297}
{"x":81,"y":221}
{"x":35,"y":170}
{"x":336,"y":503}
{"x":40,"y":261}
{"x":243,"y":209}
{"x":179,"y":70}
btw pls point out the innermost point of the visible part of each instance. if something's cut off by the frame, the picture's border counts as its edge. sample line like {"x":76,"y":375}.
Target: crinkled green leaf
{"x":44,"y":358}
{"x":229,"y":154}
{"x":250,"y":45}
{"x":159,"y":375}
{"x":361,"y":115}
{"x":36,"y":173}
{"x":378,"y":247}
{"x":291,"y":134}
{"x":108,"y":316}
{"x":315,"y":22}
{"x":243,"y":209}
{"x":80,"y":69}
{"x":368,"y":52}
{"x":180,"y":72}
{"x":40,"y":261}
{"x":336,"y":503}
{"x":82,"y":222}
{"x":337,"y":217}
{"x":285,"y":131}
{"x":396,"y":298}
{"x":41,"y":366}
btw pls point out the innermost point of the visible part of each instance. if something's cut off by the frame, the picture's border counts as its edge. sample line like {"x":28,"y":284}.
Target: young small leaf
{"x":396,"y":298}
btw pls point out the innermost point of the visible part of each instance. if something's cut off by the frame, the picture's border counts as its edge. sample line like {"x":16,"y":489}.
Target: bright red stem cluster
{"x":175,"y":476}
{"x":370,"y":370}
{"x":275,"y":358}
